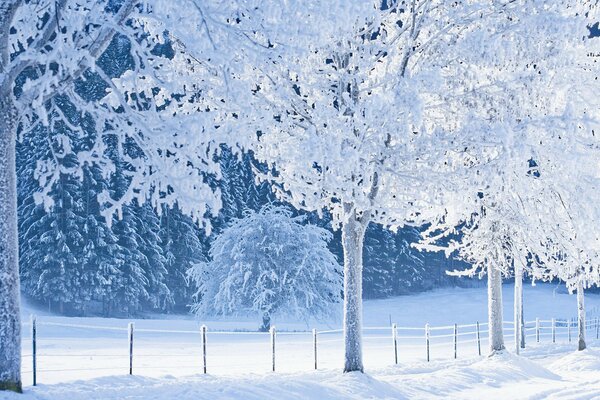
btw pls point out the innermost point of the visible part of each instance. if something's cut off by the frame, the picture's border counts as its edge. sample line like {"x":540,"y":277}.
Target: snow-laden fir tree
{"x":101,"y":249}
{"x":153,"y":260}
{"x":392,"y":266}
{"x":270,"y":264}
{"x":239,"y":191}
{"x":182,"y":248}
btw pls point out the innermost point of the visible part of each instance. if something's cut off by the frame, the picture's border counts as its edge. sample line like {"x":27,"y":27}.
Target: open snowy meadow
{"x":316,"y":199}
{"x":88,"y":358}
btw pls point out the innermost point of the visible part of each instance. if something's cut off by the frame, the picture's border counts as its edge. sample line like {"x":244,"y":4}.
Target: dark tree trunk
{"x":266,"y":324}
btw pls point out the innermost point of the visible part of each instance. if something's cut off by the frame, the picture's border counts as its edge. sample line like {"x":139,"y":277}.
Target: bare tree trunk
{"x":495,"y":334}
{"x":580,"y":316}
{"x":518,"y":306}
{"x":10,"y":310}
{"x":10,"y":315}
{"x":353,"y":233}
{"x":522,"y":320}
{"x":266,"y":324}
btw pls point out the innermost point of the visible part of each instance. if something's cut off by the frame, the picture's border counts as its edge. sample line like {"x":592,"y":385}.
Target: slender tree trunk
{"x":353,"y":233}
{"x":10,"y":315}
{"x":580,"y":316}
{"x":266,"y":324}
{"x":522,"y":320}
{"x":495,"y":334}
{"x":518,"y":306}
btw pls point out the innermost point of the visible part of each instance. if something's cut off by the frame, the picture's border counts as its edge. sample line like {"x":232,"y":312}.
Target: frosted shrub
{"x":269,"y":263}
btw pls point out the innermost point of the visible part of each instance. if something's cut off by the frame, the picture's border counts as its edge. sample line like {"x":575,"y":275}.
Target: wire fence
{"x":58,"y":350}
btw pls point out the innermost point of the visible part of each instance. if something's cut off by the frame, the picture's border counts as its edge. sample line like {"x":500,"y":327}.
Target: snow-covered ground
{"x":543,"y":373}
{"x":92,"y":362}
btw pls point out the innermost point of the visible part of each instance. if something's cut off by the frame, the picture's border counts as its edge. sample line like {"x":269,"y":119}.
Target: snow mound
{"x":361,"y":386}
{"x":513,"y":367}
{"x":586,"y":360}
{"x":446,"y":379}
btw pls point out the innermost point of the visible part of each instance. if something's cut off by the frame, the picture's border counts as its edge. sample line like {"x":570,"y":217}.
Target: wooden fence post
{"x":478,"y":339}
{"x":395,"y":340}
{"x":272,"y":330}
{"x":34,"y":348}
{"x":569,"y":329}
{"x":427,"y":339}
{"x":315,"y":346}
{"x":204,"y":347}
{"x":130,"y":334}
{"x":455,"y":339}
{"x":597,"y":328}
{"x":537,"y":330}
{"x":553,"y":330}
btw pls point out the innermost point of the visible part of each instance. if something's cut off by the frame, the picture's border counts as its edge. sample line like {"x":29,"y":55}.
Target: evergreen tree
{"x":129,"y":291}
{"x":52,"y":260}
{"x":379,"y":263}
{"x":410,"y":264}
{"x":182,"y":248}
{"x":238,"y":186}
{"x":152,"y":260}
{"x":101,"y":265}
{"x":32,"y":148}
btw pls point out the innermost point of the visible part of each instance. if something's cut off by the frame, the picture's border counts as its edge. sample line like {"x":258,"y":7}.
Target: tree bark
{"x":580,"y":316}
{"x":353,"y":233}
{"x":495,"y":332}
{"x":10,"y":314}
{"x":518,"y":306}
{"x":522,"y":320}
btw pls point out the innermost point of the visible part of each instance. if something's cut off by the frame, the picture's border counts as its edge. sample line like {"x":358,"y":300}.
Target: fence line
{"x":433,"y":336}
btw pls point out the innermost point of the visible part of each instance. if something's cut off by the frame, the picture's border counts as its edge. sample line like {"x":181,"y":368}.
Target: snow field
{"x":88,"y":348}
{"x":544,"y":371}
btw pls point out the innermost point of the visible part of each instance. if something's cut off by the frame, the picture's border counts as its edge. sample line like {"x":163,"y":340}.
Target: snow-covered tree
{"x":269,"y":263}
{"x":372,"y":125}
{"x":239,"y":191}
{"x":563,"y":161}
{"x":506,"y":224}
{"x":168,"y":103}
{"x":572,"y":248}
{"x":53,"y":46}
{"x":392,"y":266}
{"x":182,"y":248}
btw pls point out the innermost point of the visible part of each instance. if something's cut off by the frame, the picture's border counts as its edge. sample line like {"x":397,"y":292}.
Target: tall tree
{"x":55,"y":44}
{"x":391,"y":266}
{"x":505,"y":224}
{"x":182,"y":248}
{"x":369,"y":126}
